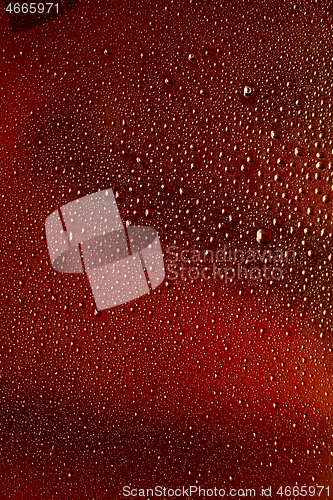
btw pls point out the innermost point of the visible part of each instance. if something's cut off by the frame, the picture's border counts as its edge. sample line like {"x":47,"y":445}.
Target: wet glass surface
{"x":211,"y":124}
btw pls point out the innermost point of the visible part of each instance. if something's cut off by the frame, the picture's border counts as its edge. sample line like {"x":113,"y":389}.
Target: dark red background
{"x":202,"y":383}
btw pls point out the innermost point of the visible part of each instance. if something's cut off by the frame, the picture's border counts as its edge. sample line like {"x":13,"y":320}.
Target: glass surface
{"x":176,"y":341}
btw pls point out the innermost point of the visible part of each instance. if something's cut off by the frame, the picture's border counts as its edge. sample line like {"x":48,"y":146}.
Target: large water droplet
{"x":264,"y":236}
{"x":275,"y":134}
{"x":141,"y":160}
{"x":248,"y":91}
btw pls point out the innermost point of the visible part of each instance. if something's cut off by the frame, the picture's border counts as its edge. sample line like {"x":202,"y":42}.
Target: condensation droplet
{"x":142,"y":160}
{"x":248,"y":91}
{"x":275,"y":134}
{"x":264,"y":236}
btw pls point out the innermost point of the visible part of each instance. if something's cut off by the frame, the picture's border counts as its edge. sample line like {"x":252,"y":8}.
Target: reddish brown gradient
{"x":205,"y":383}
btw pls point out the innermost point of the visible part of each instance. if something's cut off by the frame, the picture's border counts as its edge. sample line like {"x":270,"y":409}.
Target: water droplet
{"x":248,"y":91}
{"x":264,"y":236}
{"x":191,"y":57}
{"x":275,"y":134}
{"x":142,"y":160}
{"x":320,"y":165}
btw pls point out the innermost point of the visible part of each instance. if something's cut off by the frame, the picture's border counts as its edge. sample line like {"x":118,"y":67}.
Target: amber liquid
{"x":211,"y":123}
